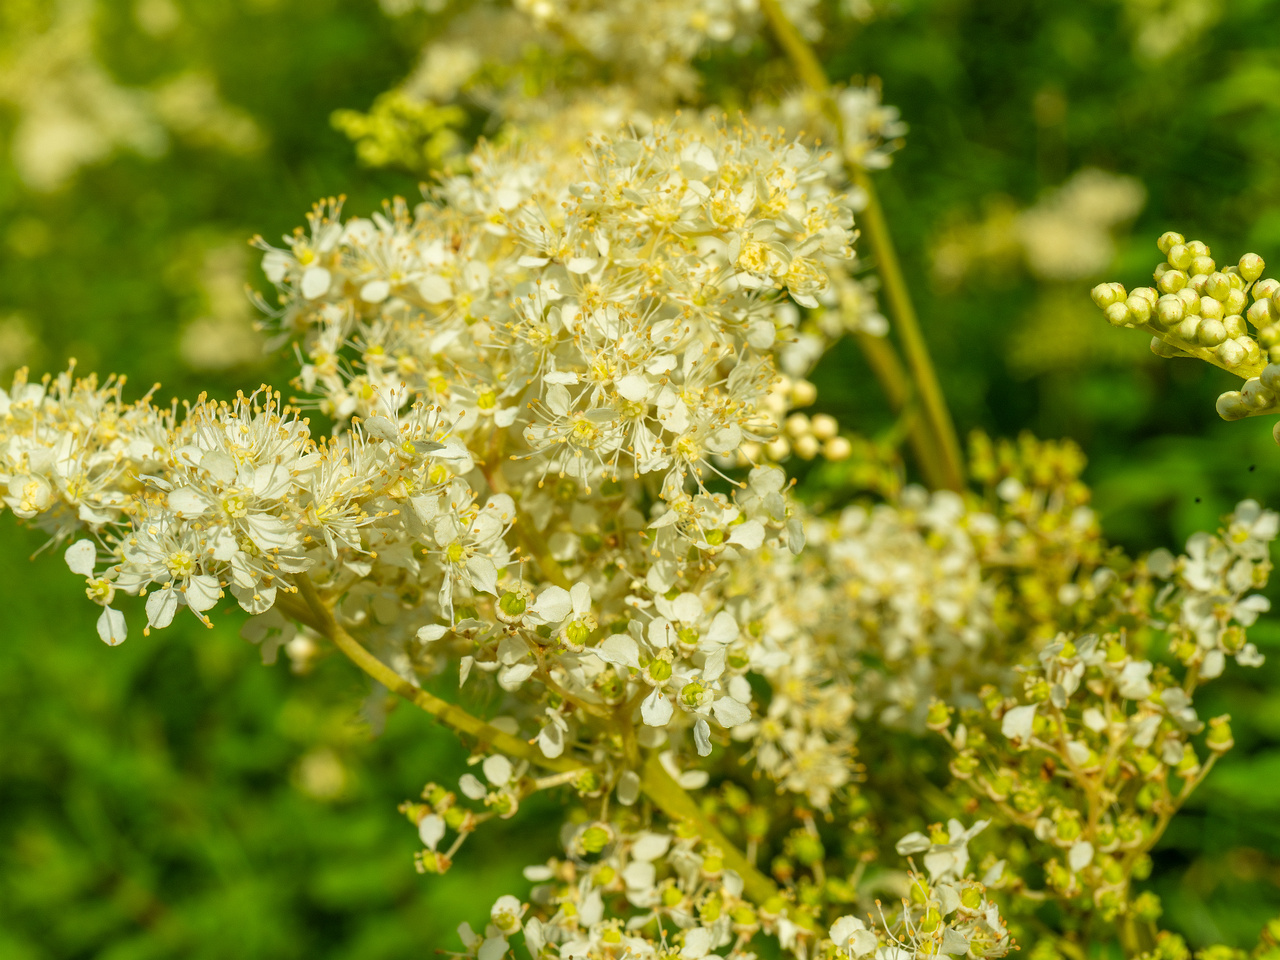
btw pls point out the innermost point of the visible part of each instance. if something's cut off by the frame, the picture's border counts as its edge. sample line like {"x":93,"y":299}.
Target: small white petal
{"x":203,"y":592}
{"x":730,"y":712}
{"x":484,"y":575}
{"x":1016,"y":723}
{"x":315,"y":282}
{"x":375,"y":291}
{"x":81,"y":557}
{"x":553,"y":604}
{"x":656,"y":709}
{"x":619,"y":649}
{"x":749,"y":535}
{"x":1080,"y":855}
{"x":431,"y":830}
{"x":633,"y":387}
{"x":702,"y":737}
{"x":111,"y":627}
{"x":161,"y":607}
{"x":471,"y":786}
{"x":497,"y":769}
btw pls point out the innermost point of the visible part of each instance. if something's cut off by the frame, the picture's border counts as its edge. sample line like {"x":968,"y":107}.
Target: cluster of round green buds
{"x":1195,"y":309}
{"x":806,"y":437}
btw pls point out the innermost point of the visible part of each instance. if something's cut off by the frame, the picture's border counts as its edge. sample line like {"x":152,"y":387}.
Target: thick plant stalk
{"x":942,"y":465}
{"x":313,"y":611}
{"x":668,"y":796}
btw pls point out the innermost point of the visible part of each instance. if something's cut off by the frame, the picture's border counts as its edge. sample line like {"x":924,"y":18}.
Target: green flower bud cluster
{"x":1195,"y":309}
{"x":1198,"y":310}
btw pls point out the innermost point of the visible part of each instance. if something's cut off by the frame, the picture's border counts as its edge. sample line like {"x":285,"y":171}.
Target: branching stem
{"x":307,"y":606}
{"x":934,"y":438}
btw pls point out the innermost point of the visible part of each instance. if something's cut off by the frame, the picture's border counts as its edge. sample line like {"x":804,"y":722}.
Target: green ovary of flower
{"x":512,"y":604}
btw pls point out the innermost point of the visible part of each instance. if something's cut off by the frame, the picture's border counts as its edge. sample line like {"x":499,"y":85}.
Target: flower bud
{"x":1168,"y":240}
{"x":1260,"y":314}
{"x":1219,"y":739}
{"x":1217,"y":286}
{"x":1231,"y":353}
{"x":1256,"y":395}
{"x":1235,"y":326}
{"x":807,"y":446}
{"x":1169,"y":311}
{"x":837,"y":448}
{"x":1211,"y":308}
{"x":1203,"y":265}
{"x":1232,"y":406}
{"x":1236,"y":302}
{"x":1211,"y":333}
{"x":1251,"y":266}
{"x":1252,"y":352}
{"x":1118,"y":315}
{"x":1188,"y":329}
{"x":1171,"y":281}
{"x":1179,"y":256}
{"x":1105,"y":294}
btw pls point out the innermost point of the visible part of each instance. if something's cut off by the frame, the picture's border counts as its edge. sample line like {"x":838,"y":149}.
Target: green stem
{"x":315,"y":613}
{"x":310,"y":608}
{"x":887,"y":368}
{"x":669,"y":797}
{"x":943,"y":465}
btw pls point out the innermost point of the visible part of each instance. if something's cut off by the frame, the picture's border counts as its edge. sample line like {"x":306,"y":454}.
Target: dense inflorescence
{"x":562,"y":402}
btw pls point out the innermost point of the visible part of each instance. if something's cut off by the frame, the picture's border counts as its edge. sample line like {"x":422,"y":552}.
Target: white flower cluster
{"x":1208,"y":594}
{"x":646,"y":895}
{"x":532,"y":374}
{"x":945,"y":914}
{"x":658,"y":39}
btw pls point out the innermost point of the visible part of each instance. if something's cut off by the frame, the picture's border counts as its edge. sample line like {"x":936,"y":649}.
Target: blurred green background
{"x":174,"y":797}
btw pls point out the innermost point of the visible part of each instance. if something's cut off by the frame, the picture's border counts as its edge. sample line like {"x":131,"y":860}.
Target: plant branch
{"x":943,"y":465}
{"x":672,"y":800}
{"x":309,"y":607}
{"x":315,"y":613}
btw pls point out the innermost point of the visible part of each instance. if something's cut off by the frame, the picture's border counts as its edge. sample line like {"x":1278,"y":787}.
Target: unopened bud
{"x":1217,"y":286}
{"x":1251,"y":266}
{"x":1171,"y":281}
{"x":1118,"y":315}
{"x":1169,"y":311}
{"x":1168,"y":240}
{"x":824,"y":426}
{"x":1219,"y":739}
{"x":1179,"y":256}
{"x":1211,"y":333}
{"x":837,"y":448}
{"x":1105,"y":294}
{"x":1231,"y":353}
